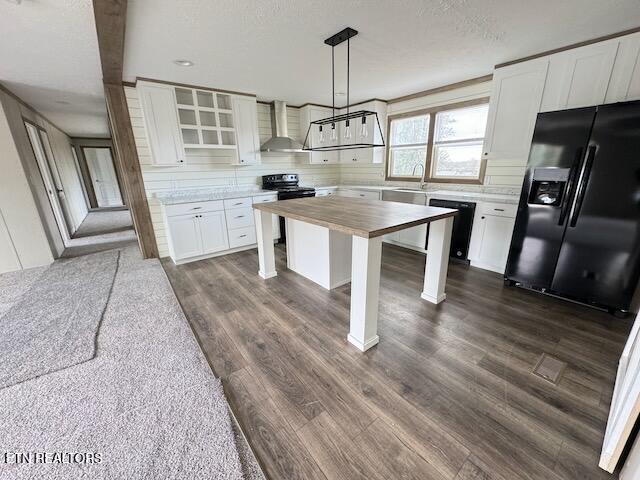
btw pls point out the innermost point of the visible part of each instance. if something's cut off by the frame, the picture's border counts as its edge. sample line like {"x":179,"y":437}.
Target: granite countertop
{"x":465,"y":195}
{"x":203,"y":195}
{"x":444,"y":194}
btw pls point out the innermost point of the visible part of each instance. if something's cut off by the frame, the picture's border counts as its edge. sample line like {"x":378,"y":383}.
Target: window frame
{"x":428,"y":162}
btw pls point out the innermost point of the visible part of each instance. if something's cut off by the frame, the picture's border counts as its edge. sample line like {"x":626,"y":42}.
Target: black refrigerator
{"x":577,"y":231}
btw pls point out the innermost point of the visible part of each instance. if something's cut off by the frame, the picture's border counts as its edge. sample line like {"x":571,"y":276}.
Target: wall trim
{"x":186,"y":85}
{"x":569,"y":47}
{"x":444,"y":88}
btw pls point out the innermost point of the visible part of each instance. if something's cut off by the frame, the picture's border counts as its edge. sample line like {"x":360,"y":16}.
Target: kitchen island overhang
{"x":329,"y":221}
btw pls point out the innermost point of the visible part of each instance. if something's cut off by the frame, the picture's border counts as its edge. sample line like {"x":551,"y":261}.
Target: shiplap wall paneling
{"x":212,"y":168}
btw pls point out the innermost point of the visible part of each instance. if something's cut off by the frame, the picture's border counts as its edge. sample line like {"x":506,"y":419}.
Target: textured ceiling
{"x":274,"y":48}
{"x":49,"y":54}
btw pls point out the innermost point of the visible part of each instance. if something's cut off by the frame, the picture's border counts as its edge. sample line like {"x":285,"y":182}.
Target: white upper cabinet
{"x":206,"y":118}
{"x":515,"y":100}
{"x":161,"y":121}
{"x":625,"y":78}
{"x":311,"y":113}
{"x":371,"y":131}
{"x":579,"y":77}
{"x":245,"y":112}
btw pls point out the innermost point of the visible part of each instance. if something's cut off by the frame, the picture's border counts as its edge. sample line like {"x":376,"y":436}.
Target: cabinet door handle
{"x":482,"y":218}
{"x":196,"y":208}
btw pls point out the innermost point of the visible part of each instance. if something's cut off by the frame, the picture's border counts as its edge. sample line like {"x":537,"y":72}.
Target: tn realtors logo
{"x":25,"y":458}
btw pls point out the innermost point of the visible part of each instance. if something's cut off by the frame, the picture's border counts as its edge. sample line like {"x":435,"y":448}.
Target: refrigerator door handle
{"x":582,"y":185}
{"x":569,"y":188}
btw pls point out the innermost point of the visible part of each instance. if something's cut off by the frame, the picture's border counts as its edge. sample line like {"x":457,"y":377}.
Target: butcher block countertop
{"x":356,"y":216}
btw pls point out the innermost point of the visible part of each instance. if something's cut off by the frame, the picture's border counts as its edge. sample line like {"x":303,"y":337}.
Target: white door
{"x":185,"y":236}
{"x":625,"y":404}
{"x":245,"y":115}
{"x":625,"y":78}
{"x":103,"y":176}
{"x":515,"y":101}
{"x":49,"y":185}
{"x":213,"y":230}
{"x":161,"y":121}
{"x":493,"y":249}
{"x":579,"y":77}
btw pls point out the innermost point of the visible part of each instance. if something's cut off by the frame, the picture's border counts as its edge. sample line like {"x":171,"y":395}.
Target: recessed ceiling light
{"x":184,"y":63}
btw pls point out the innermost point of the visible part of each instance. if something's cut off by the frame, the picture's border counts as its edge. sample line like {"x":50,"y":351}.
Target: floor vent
{"x":549,"y":368}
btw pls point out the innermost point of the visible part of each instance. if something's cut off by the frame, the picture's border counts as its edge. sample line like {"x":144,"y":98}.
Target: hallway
{"x":101,"y":230}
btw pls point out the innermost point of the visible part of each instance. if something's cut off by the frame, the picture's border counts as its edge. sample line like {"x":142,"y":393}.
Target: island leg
{"x":435,"y":272}
{"x":264,"y":237}
{"x":365,"y":286}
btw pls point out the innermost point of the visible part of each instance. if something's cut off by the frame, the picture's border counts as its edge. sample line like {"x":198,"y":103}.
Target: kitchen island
{"x":366,"y":221}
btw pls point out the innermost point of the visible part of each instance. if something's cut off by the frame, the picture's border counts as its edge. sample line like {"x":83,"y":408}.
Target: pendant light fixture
{"x":354,"y":125}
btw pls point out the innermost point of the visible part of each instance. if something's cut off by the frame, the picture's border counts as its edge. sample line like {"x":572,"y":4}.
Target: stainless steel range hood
{"x":280,"y":141}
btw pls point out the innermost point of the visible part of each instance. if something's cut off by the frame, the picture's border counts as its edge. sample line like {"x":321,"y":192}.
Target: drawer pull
{"x":242,"y":236}
{"x":499,"y":209}
{"x":239,"y":203}
{"x":239,"y":216}
{"x":196,"y":208}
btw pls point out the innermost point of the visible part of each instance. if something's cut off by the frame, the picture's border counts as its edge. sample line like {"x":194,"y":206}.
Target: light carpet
{"x":148,"y":402}
{"x":55,"y":323}
{"x":104,"y":221}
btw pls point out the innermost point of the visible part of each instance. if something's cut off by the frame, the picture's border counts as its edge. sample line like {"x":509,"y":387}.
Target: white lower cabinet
{"x":184,"y":234}
{"x":198,"y":230}
{"x":213,"y":232}
{"x":491,"y":236}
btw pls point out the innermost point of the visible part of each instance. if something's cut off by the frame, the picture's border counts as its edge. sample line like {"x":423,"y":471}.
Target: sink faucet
{"x":413,"y":173}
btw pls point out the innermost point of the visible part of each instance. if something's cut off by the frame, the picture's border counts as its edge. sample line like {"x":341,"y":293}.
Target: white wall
{"x":23,"y":241}
{"x":204,"y":170}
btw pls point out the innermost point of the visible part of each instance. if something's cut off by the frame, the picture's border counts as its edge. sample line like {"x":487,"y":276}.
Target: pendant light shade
{"x":350,"y":130}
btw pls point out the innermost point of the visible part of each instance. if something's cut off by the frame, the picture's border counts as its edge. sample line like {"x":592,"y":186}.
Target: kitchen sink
{"x":416,"y":196}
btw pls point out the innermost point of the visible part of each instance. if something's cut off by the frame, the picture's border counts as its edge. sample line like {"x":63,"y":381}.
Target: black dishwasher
{"x":462,"y":224}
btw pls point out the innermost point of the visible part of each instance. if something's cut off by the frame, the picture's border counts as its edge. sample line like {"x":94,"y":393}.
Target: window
{"x":408,"y":146}
{"x":439,"y":145}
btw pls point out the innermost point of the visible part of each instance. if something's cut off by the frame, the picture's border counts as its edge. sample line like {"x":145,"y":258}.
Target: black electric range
{"x":286,"y":184}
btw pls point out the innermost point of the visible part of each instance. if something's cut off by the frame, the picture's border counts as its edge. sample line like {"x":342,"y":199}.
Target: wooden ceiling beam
{"x":110,"y":17}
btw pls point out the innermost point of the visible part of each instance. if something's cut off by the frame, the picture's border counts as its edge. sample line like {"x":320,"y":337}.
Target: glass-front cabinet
{"x":206,"y":118}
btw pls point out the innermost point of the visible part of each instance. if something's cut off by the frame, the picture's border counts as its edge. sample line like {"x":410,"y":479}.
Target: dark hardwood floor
{"x":448,"y":392}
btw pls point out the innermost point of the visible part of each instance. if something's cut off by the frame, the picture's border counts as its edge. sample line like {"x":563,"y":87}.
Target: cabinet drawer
{"x":325,"y":193}
{"x":237,"y":203}
{"x":195,"y":207}
{"x":359,"y":194}
{"x":265,"y":198}
{"x":239,"y":217}
{"x":239,"y":237}
{"x":498,"y":209}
